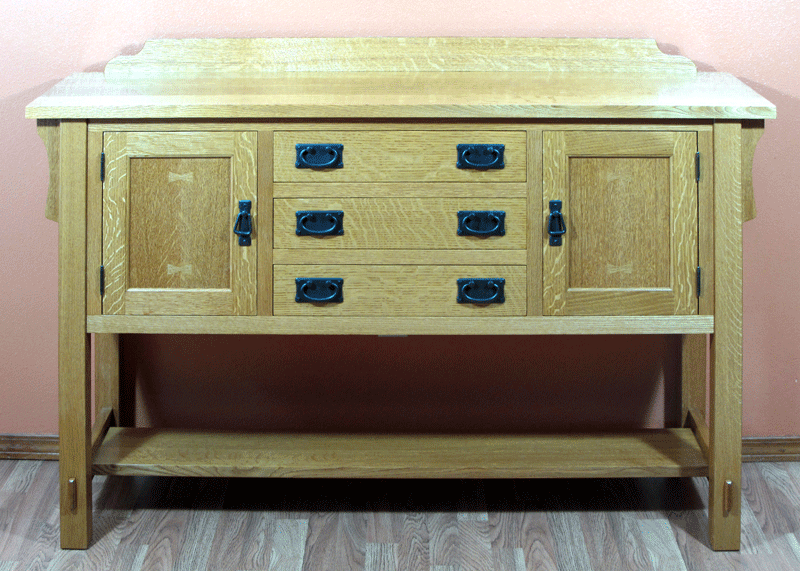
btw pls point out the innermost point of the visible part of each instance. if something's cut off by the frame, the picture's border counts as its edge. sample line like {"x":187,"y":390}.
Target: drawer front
{"x":408,"y":223}
{"x":396,"y":291}
{"x":399,"y":156}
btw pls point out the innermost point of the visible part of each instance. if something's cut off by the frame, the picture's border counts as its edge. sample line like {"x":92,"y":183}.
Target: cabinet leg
{"x":74,"y":442}
{"x":725,"y":449}
{"x":725,"y":415}
{"x":73,"y":343}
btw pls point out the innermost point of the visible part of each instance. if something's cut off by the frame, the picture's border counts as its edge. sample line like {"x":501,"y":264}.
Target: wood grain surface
{"x":629,"y":203}
{"x":128,"y":451}
{"x":48,"y":132}
{"x":407,"y":223}
{"x":74,"y":370}
{"x":242,"y":57}
{"x":400,"y":156}
{"x":725,"y":391}
{"x":578,"y":325}
{"x":389,"y":291}
{"x":170,"y":202}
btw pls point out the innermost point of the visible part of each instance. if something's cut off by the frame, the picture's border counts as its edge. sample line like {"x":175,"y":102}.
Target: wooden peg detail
{"x":727,"y":498}
{"x":72,"y":490}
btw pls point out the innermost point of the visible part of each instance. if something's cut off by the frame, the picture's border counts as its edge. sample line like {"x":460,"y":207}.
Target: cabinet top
{"x":458,"y":78}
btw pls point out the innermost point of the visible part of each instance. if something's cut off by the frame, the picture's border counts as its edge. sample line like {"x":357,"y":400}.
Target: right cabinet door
{"x":628,"y":213}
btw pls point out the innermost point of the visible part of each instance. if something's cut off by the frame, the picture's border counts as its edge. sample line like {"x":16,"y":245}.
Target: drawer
{"x":399,"y":156}
{"x":407,"y":223}
{"x":395,"y":291}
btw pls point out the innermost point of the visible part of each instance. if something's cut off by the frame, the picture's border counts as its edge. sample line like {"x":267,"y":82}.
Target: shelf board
{"x":169,"y":452}
{"x":322,"y":325}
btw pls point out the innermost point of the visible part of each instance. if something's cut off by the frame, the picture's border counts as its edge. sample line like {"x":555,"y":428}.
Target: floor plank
{"x":149,"y":523}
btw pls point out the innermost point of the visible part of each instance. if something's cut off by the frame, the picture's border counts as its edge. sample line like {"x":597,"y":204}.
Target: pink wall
{"x":45,"y":41}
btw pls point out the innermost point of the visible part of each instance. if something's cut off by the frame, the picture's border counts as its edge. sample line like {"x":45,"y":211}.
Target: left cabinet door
{"x":170,"y":204}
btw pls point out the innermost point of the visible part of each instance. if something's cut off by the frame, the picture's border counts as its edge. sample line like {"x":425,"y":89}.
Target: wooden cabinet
{"x":617,"y":174}
{"x":629,"y":199}
{"x":170,"y":202}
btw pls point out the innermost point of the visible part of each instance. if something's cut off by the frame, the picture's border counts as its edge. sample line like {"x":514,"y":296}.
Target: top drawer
{"x":400,"y":156}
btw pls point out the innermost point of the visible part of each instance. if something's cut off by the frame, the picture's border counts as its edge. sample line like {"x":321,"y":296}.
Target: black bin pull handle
{"x":243,"y":227}
{"x":481,"y":291}
{"x":481,"y":223}
{"x":319,"y":156}
{"x":556,"y":227}
{"x":320,"y":222}
{"x":474,"y":156}
{"x":319,"y":290}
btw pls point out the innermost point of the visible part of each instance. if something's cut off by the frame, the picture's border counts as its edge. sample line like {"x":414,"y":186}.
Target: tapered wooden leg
{"x":73,"y":342}
{"x":725,"y":446}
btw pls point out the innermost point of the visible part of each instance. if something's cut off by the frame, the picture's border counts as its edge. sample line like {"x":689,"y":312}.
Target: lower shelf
{"x":663,"y":453}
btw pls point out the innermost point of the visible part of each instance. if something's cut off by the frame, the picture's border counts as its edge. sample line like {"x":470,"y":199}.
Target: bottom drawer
{"x":425,"y":291}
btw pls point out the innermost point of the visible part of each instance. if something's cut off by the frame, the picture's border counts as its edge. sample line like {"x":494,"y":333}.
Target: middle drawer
{"x":405,"y":223}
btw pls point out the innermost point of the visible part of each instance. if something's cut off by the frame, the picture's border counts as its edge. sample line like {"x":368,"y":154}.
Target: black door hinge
{"x":699,"y":281}
{"x":102,"y":167}
{"x":102,"y":281}
{"x":697,"y":167}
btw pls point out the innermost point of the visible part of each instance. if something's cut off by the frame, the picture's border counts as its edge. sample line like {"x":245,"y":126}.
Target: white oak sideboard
{"x":401,"y":186}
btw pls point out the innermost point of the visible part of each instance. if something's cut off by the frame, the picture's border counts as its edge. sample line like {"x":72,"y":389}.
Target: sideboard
{"x":401,"y":186}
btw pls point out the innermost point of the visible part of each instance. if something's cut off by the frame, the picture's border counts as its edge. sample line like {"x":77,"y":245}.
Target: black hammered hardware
{"x":320,"y":223}
{"x":482,"y":223}
{"x":319,"y":156}
{"x":555,"y":223}
{"x":481,"y":291}
{"x":243,"y":227}
{"x":480,"y":156}
{"x":319,"y":290}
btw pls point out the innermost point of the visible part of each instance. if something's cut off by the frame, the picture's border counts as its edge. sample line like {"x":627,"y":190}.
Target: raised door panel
{"x":170,"y":204}
{"x":629,"y":205}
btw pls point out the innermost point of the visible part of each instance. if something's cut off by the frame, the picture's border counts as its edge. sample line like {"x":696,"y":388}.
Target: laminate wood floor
{"x":148,"y":523}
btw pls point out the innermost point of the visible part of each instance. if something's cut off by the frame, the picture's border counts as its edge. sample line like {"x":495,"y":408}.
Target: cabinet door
{"x":629,"y":205}
{"x":170,"y":202}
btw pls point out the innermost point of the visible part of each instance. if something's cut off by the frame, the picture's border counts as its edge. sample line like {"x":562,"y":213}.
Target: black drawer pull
{"x":481,"y":291}
{"x":319,"y":290}
{"x":480,"y":156}
{"x":319,"y":156}
{"x":320,"y":223}
{"x":243,"y":227}
{"x":481,"y":223}
{"x":555,"y":223}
